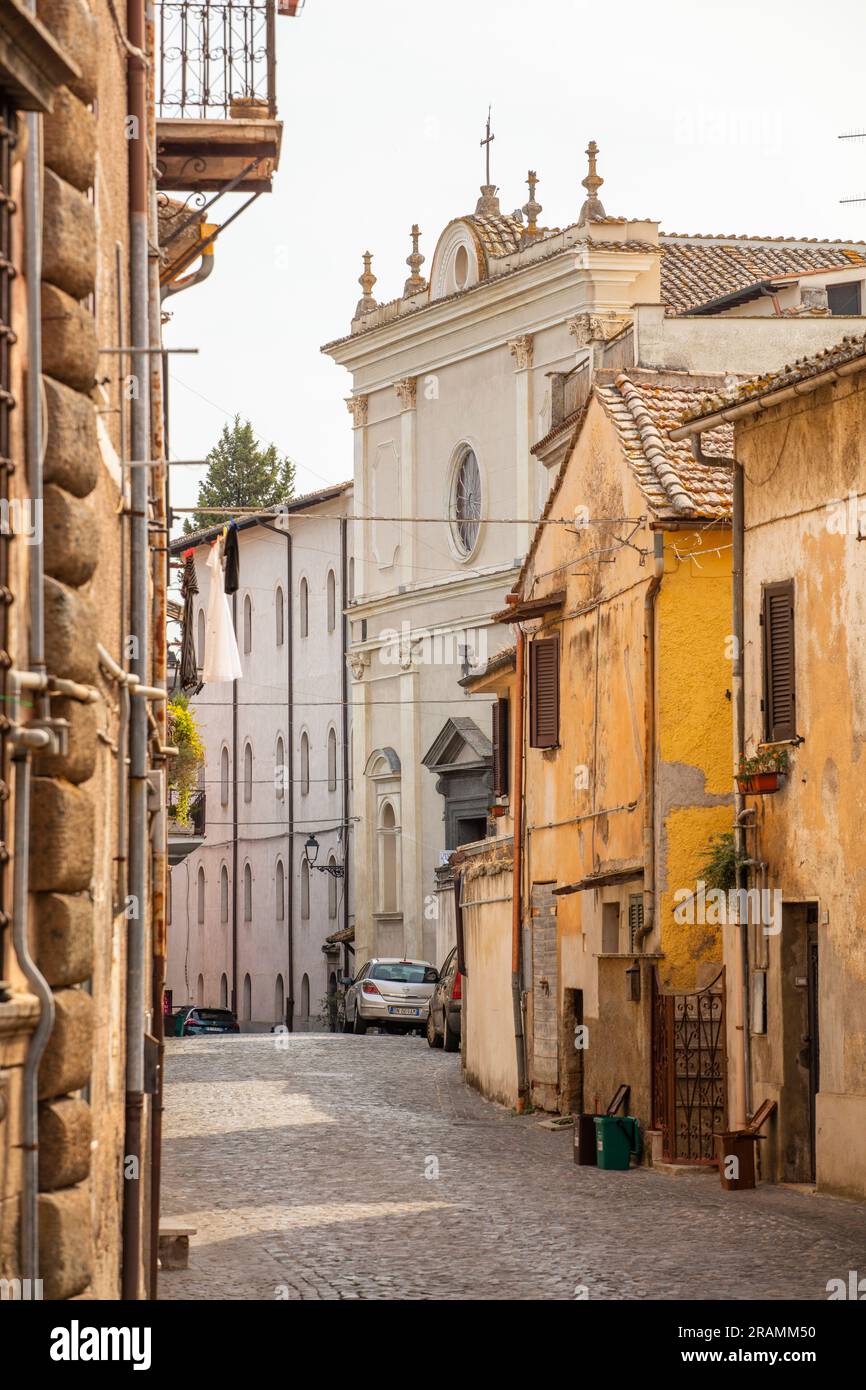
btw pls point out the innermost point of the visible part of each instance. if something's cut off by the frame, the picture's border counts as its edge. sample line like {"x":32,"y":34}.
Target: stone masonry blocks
{"x":65,"y":1242}
{"x":62,"y":821}
{"x":70,"y":633}
{"x":64,"y":937}
{"x":70,"y":140}
{"x":68,"y":237}
{"x":68,"y":1059}
{"x":65,"y":1132}
{"x":72,"y":450}
{"x":71,"y":537}
{"x":69,"y":346}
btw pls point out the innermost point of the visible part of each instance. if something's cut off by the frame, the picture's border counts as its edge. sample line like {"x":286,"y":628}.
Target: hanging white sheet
{"x":222,"y":661}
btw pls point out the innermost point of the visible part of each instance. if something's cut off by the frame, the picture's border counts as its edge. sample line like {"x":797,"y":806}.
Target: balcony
{"x":217,"y":127}
{"x":185,"y":836}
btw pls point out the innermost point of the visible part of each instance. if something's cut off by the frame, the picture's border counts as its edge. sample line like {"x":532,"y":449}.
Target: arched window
{"x":201,"y":885}
{"x":199,"y":991}
{"x":224,"y":894}
{"x":281,"y":891}
{"x":224,"y":777}
{"x":466,"y":503}
{"x":200,"y":630}
{"x":332,"y":761}
{"x":224,"y":992}
{"x":248,"y":623}
{"x":305,"y":891}
{"x":280,"y":771}
{"x":279,"y":1000}
{"x":332,"y":889}
{"x":305,"y":765}
{"x":248,"y":998}
{"x":305,"y":997}
{"x":248,"y":772}
{"x":305,"y":608}
{"x":388,"y":859}
{"x":332,"y":601}
{"x":248,"y":893}
{"x":281,"y":617}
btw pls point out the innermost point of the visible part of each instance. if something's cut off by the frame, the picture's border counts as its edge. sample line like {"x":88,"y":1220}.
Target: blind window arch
{"x":332,"y":761}
{"x":224,"y":777}
{"x":280,"y":770}
{"x":248,"y":623}
{"x":281,"y":892}
{"x":248,"y":772}
{"x":224,"y":894}
{"x":248,"y":893}
{"x":304,"y":603}
{"x":305,"y":764}
{"x":201,"y":895}
{"x":280,"y":616}
{"x":332,"y":600}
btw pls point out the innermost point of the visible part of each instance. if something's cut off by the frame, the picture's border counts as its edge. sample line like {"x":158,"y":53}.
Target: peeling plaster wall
{"x":803,"y":465}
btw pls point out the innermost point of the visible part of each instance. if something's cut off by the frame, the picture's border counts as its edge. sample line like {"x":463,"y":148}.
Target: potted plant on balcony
{"x":183,"y":735}
{"x":760,"y":774}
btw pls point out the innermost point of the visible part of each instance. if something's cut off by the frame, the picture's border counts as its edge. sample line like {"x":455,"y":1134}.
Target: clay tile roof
{"x":803,"y":369}
{"x":674,"y":482}
{"x":499,"y":235}
{"x":695,"y":271}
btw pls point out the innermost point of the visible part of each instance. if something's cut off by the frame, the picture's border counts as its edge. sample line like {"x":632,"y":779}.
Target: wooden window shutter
{"x":635,"y":919}
{"x":544,"y":692}
{"x":501,"y":748}
{"x":780,"y":714}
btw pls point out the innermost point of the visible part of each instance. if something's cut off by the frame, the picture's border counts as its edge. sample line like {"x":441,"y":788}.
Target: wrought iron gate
{"x":689,"y":1071}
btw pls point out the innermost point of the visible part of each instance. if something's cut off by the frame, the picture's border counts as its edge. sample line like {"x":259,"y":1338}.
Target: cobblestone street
{"x":308,"y":1164}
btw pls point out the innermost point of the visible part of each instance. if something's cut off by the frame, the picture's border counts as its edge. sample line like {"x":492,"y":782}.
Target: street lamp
{"x":311,"y":854}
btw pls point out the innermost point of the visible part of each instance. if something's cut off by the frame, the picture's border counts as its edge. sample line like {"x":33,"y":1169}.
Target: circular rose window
{"x":466,"y":503}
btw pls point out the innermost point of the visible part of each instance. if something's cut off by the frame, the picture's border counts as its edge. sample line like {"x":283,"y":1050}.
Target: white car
{"x":395,"y":994}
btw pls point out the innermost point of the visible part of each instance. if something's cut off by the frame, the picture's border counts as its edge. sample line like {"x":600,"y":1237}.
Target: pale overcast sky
{"x":709,"y":118}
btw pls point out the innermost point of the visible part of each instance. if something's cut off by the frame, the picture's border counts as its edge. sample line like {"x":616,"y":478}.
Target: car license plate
{"x":413,"y":1013}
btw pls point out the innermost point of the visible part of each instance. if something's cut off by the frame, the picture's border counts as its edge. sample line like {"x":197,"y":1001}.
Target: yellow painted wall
{"x":694,"y":733}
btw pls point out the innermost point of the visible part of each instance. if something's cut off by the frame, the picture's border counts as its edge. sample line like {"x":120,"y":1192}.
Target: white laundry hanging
{"x":222,"y":661}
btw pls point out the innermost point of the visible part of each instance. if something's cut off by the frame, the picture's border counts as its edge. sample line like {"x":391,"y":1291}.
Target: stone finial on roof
{"x":532,"y":208}
{"x":367,"y":280}
{"x":416,"y":280}
{"x":592,"y":183}
{"x":488,"y":203}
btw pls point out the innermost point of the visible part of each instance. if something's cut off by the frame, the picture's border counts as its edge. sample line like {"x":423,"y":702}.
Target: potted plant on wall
{"x":761,"y":773}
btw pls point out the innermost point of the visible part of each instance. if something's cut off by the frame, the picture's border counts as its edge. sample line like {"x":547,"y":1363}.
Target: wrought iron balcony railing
{"x":215,"y":60}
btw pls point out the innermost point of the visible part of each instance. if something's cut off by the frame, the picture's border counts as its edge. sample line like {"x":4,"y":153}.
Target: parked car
{"x":446,"y":1003}
{"x":395,"y":994}
{"x":200,"y":1021}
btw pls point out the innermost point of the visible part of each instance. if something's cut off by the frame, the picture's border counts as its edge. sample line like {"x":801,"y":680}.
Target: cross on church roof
{"x":486,"y":143}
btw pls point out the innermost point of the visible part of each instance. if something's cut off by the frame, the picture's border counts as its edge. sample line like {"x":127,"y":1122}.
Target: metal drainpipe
{"x":234,"y":816}
{"x":344,"y":696}
{"x":139,"y":622}
{"x":288,"y":631}
{"x":649,"y":861}
{"x":742,"y":1055}
{"x":21,"y":885}
{"x":517,"y":877}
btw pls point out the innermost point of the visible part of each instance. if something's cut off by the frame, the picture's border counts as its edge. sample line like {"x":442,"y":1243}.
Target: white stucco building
{"x":462,"y":391}
{"x":249,"y":915}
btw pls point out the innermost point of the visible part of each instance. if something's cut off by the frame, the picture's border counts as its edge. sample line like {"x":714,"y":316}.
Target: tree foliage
{"x":241,"y":473}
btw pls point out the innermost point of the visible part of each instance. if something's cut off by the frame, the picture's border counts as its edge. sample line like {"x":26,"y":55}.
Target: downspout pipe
{"x":344,"y":697}
{"x":32,"y":200}
{"x":140,"y":659}
{"x":517,"y":878}
{"x":649,"y":755}
{"x":288,"y":635}
{"x":742,"y":1057}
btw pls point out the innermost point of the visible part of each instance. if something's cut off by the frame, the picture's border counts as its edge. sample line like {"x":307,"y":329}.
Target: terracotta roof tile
{"x":673,"y":481}
{"x":499,"y":235}
{"x":695,"y":271}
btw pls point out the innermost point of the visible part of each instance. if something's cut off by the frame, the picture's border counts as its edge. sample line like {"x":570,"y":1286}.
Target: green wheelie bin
{"x":617,"y":1137}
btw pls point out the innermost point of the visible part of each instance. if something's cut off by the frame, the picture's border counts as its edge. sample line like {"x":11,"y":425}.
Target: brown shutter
{"x":780,"y":714}
{"x":544,"y":692}
{"x":500,"y":747}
